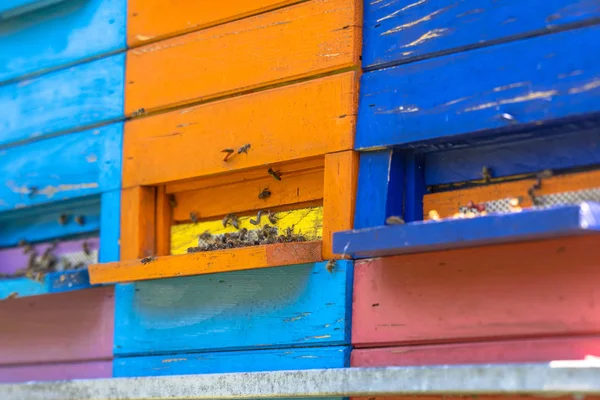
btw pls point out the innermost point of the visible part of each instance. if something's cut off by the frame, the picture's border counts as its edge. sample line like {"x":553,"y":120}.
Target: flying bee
{"x":394,"y":220}
{"x":244,"y":149}
{"x":229,"y":153}
{"x":80,"y":220}
{"x":272,"y":218}
{"x":258,"y":218}
{"x":331,"y":264}
{"x":275,"y":174}
{"x":62,"y":219}
{"x":138,"y":113}
{"x":86,"y":248}
{"x":486,"y":173}
{"x":194,"y":217}
{"x":264,"y":194}
{"x":147,"y":260}
{"x":172,"y":201}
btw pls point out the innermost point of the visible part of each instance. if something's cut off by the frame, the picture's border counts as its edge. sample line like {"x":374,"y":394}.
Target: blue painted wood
{"x":380,"y":187}
{"x":12,"y":8}
{"x":454,"y":233}
{"x":415,"y":187}
{"x":64,"y":167}
{"x":555,"y":152}
{"x":60,"y":35}
{"x":399,"y":31}
{"x":73,"y":98}
{"x":110,"y":226}
{"x":233,"y":361}
{"x":55,"y":282}
{"x":534,"y":81}
{"x":38,"y":224}
{"x":294,"y":306}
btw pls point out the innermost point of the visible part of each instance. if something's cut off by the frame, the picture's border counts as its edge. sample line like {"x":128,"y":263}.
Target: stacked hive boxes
{"x":61,"y":97}
{"x":238,"y":147}
{"x":467,"y":110}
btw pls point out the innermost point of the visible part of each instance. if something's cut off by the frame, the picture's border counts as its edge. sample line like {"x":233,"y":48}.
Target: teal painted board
{"x":54,"y":282}
{"x":58,"y":35}
{"x":508,"y":87}
{"x":400,"y":31}
{"x":12,"y":8}
{"x":69,"y":99}
{"x":294,"y":306}
{"x":63,"y":167}
{"x":233,"y":361}
{"x":110,"y":226}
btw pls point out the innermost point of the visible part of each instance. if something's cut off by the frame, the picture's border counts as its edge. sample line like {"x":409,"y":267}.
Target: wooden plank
{"x":65,"y":167}
{"x":12,"y":8}
{"x":164,"y":220}
{"x":75,"y":326}
{"x":210,"y":262}
{"x":307,"y":221}
{"x":76,"y":97}
{"x":138,"y":225}
{"x":233,"y":361}
{"x":405,"y":299}
{"x":110,"y":226}
{"x":56,"y":372}
{"x":339,"y":196}
{"x":317,"y":117}
{"x":501,"y":352}
{"x":448,"y":203}
{"x":153,"y":20}
{"x":533,"y":81}
{"x":295,"y":306}
{"x":295,"y":42}
{"x":43,"y":39}
{"x":38,"y":224}
{"x":401,"y":31}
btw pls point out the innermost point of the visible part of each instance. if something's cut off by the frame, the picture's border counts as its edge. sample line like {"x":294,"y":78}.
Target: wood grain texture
{"x":56,"y":372}
{"x":138,"y":224}
{"x":42,"y":40}
{"x":448,"y":203}
{"x":287,"y":123}
{"x":468,"y":294}
{"x":339,"y":196}
{"x":209,"y":262}
{"x":233,"y":361}
{"x":294,"y":42}
{"x":59,"y":168}
{"x":154,"y":19}
{"x":535,"y":81}
{"x":76,"y":97}
{"x":294,"y":306}
{"x":398,"y":31}
{"x":501,"y":352}
{"x":75,"y":326}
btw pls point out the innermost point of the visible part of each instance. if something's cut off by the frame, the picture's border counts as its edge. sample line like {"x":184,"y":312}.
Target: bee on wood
{"x":235,"y":222}
{"x":194,"y":217}
{"x":272,"y":218}
{"x":86,"y":248}
{"x":147,"y":260}
{"x":62,"y":219}
{"x":394,"y":220}
{"x":244,"y":149}
{"x":226,"y":220}
{"x":206,"y":235}
{"x":229,"y":153}
{"x":275,"y":174}
{"x":138,"y":113}
{"x":66,"y":263}
{"x":33,"y":190}
{"x":486,"y":173}
{"x":258,"y":218}
{"x":264,"y":194}
{"x":331,"y":264}
{"x":172,"y":201}
{"x":80,"y":220}
{"x":12,"y":295}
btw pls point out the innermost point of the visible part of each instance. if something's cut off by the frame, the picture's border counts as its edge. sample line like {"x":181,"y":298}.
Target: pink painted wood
{"x":73,"y":326}
{"x":509,"y":351}
{"x":56,"y":372}
{"x":544,"y":288}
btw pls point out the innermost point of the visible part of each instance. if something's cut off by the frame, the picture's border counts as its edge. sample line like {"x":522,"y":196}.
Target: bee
{"x":275,"y":174}
{"x":331,"y":264}
{"x":258,"y":218}
{"x":138,"y":113}
{"x":206,"y":235}
{"x":194,"y":217}
{"x":272,"y":218}
{"x":33,"y":190}
{"x":228,"y":154}
{"x":80,"y":220}
{"x":486,"y":173}
{"x":86,"y":248}
{"x":244,"y":149}
{"x":12,"y":295}
{"x":66,"y":263}
{"x":147,"y":260}
{"x":394,"y":220}
{"x":31,"y":261}
{"x":79,"y":265}
{"x":235,"y":222}
{"x":264,"y":194}
{"x":62,"y":219}
{"x":172,"y":201}
{"x":226,"y":220}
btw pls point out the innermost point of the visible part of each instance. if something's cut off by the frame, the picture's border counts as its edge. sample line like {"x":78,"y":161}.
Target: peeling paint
{"x":413,"y":23}
{"x":392,"y":15}
{"x":171,"y":360}
{"x":511,"y":86}
{"x":519,"y":99}
{"x":318,"y":337}
{"x":588,"y":86}
{"x":92,"y":158}
{"x":299,"y":317}
{"x":50,"y":190}
{"x":432,"y":34}
{"x":572,"y":73}
{"x":143,"y":38}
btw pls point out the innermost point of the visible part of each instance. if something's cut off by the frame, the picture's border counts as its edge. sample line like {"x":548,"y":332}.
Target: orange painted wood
{"x":295,"y":42}
{"x":73,"y":326}
{"x":274,"y":255}
{"x":339,"y":199}
{"x":543,"y":288}
{"x":164,"y":219}
{"x":509,"y":351}
{"x":289,"y":123}
{"x":447,"y":203}
{"x":138,"y":222}
{"x":150,"y":20}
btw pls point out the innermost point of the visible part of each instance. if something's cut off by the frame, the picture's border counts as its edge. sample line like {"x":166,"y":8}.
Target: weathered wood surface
{"x":151,"y":20}
{"x":513,"y":86}
{"x":44,"y":39}
{"x":54,"y":282}
{"x":208,"y":262}
{"x":468,"y":294}
{"x":72,"y":98}
{"x":138,"y":230}
{"x":74,"y":326}
{"x":501,"y":352}
{"x":59,"y":168}
{"x":294,"y":42}
{"x":294,"y":306}
{"x":233,"y":361}
{"x":398,"y":31}
{"x":287,"y":123}
{"x":56,"y":372}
